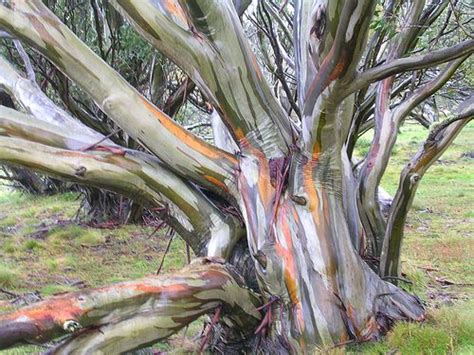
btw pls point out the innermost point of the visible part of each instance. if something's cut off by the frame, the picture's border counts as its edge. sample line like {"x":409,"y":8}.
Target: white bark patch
{"x":314,"y":249}
{"x":321,"y":323}
{"x":220,"y":240}
{"x":354,"y":19}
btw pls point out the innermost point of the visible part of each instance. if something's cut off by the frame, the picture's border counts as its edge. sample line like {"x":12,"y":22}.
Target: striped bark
{"x":281,"y":201}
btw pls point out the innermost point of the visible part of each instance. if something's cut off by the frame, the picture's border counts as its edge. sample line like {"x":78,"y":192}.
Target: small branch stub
{"x":415,"y":178}
{"x":300,"y":200}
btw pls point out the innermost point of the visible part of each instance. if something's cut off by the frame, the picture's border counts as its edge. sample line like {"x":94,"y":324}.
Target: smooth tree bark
{"x":293,"y":242}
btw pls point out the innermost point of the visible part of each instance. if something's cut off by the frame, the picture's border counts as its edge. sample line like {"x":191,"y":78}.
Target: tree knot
{"x":414,"y":178}
{"x":299,"y":200}
{"x":80,"y":171}
{"x":71,"y":326}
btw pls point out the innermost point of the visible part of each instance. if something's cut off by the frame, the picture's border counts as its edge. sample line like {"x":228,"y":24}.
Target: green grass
{"x":448,"y":330}
{"x":31,"y":245}
{"x":8,"y":276}
{"x":48,"y":249}
{"x":438,"y":246}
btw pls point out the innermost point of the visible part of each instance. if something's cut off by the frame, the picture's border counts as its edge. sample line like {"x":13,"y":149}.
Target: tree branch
{"x":135,"y":174}
{"x":415,"y":62}
{"x":26,"y":60}
{"x":133,"y":313}
{"x":428,"y":89}
{"x":207,"y":41}
{"x":35,"y":102}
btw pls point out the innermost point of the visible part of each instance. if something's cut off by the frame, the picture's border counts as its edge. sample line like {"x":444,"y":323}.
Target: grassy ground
{"x":42,"y":250}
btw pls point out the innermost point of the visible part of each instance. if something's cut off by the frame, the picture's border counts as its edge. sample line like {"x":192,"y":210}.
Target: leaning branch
{"x":35,"y":102}
{"x":437,"y":142}
{"x":428,"y":89}
{"x":182,"y":151}
{"x":133,"y":313}
{"x":206,"y":39}
{"x":131,"y":173}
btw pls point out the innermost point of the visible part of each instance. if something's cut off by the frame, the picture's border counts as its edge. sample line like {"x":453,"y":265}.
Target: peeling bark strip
{"x":134,"y":313}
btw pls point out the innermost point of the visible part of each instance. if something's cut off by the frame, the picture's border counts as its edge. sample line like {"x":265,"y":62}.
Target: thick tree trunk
{"x":320,"y":290}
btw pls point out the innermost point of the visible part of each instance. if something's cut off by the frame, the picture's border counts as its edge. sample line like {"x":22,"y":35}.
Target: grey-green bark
{"x":306,"y":214}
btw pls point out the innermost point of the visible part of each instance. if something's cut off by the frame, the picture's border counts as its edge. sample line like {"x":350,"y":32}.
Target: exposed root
{"x":391,"y":307}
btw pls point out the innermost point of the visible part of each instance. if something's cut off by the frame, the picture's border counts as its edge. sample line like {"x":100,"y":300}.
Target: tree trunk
{"x":320,"y":290}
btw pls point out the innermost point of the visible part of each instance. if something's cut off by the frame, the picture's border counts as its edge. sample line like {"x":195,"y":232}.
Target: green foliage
{"x":380,"y":22}
{"x":362,"y":146}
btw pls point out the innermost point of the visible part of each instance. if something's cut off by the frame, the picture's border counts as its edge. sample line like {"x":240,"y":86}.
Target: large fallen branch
{"x":134,"y":313}
{"x":131,"y":173}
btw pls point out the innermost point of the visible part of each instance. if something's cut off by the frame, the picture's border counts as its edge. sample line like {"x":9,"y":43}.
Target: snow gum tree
{"x":292,"y":249}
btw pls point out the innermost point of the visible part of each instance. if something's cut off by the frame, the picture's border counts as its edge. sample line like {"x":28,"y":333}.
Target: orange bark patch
{"x":216,"y":182}
{"x":338,"y":70}
{"x":288,"y":257}
{"x":169,"y":289}
{"x":175,"y":9}
{"x":351,"y":315}
{"x":51,"y":313}
{"x":256,"y":67}
{"x":239,"y":134}
{"x":308,"y":178}
{"x":184,"y":136}
{"x":371,"y":330}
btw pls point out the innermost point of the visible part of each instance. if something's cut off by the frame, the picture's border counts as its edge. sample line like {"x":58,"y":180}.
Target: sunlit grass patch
{"x":446,"y":330}
{"x":31,"y":245}
{"x":50,"y":290}
{"x":8,"y":221}
{"x":80,"y":235}
{"x":90,"y":238}
{"x":8,"y":276}
{"x":9,"y":246}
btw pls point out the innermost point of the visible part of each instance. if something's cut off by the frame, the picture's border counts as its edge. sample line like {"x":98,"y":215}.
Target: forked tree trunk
{"x":281,"y":203}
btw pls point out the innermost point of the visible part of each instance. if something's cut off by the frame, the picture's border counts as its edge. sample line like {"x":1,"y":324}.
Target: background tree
{"x":295,"y":250}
